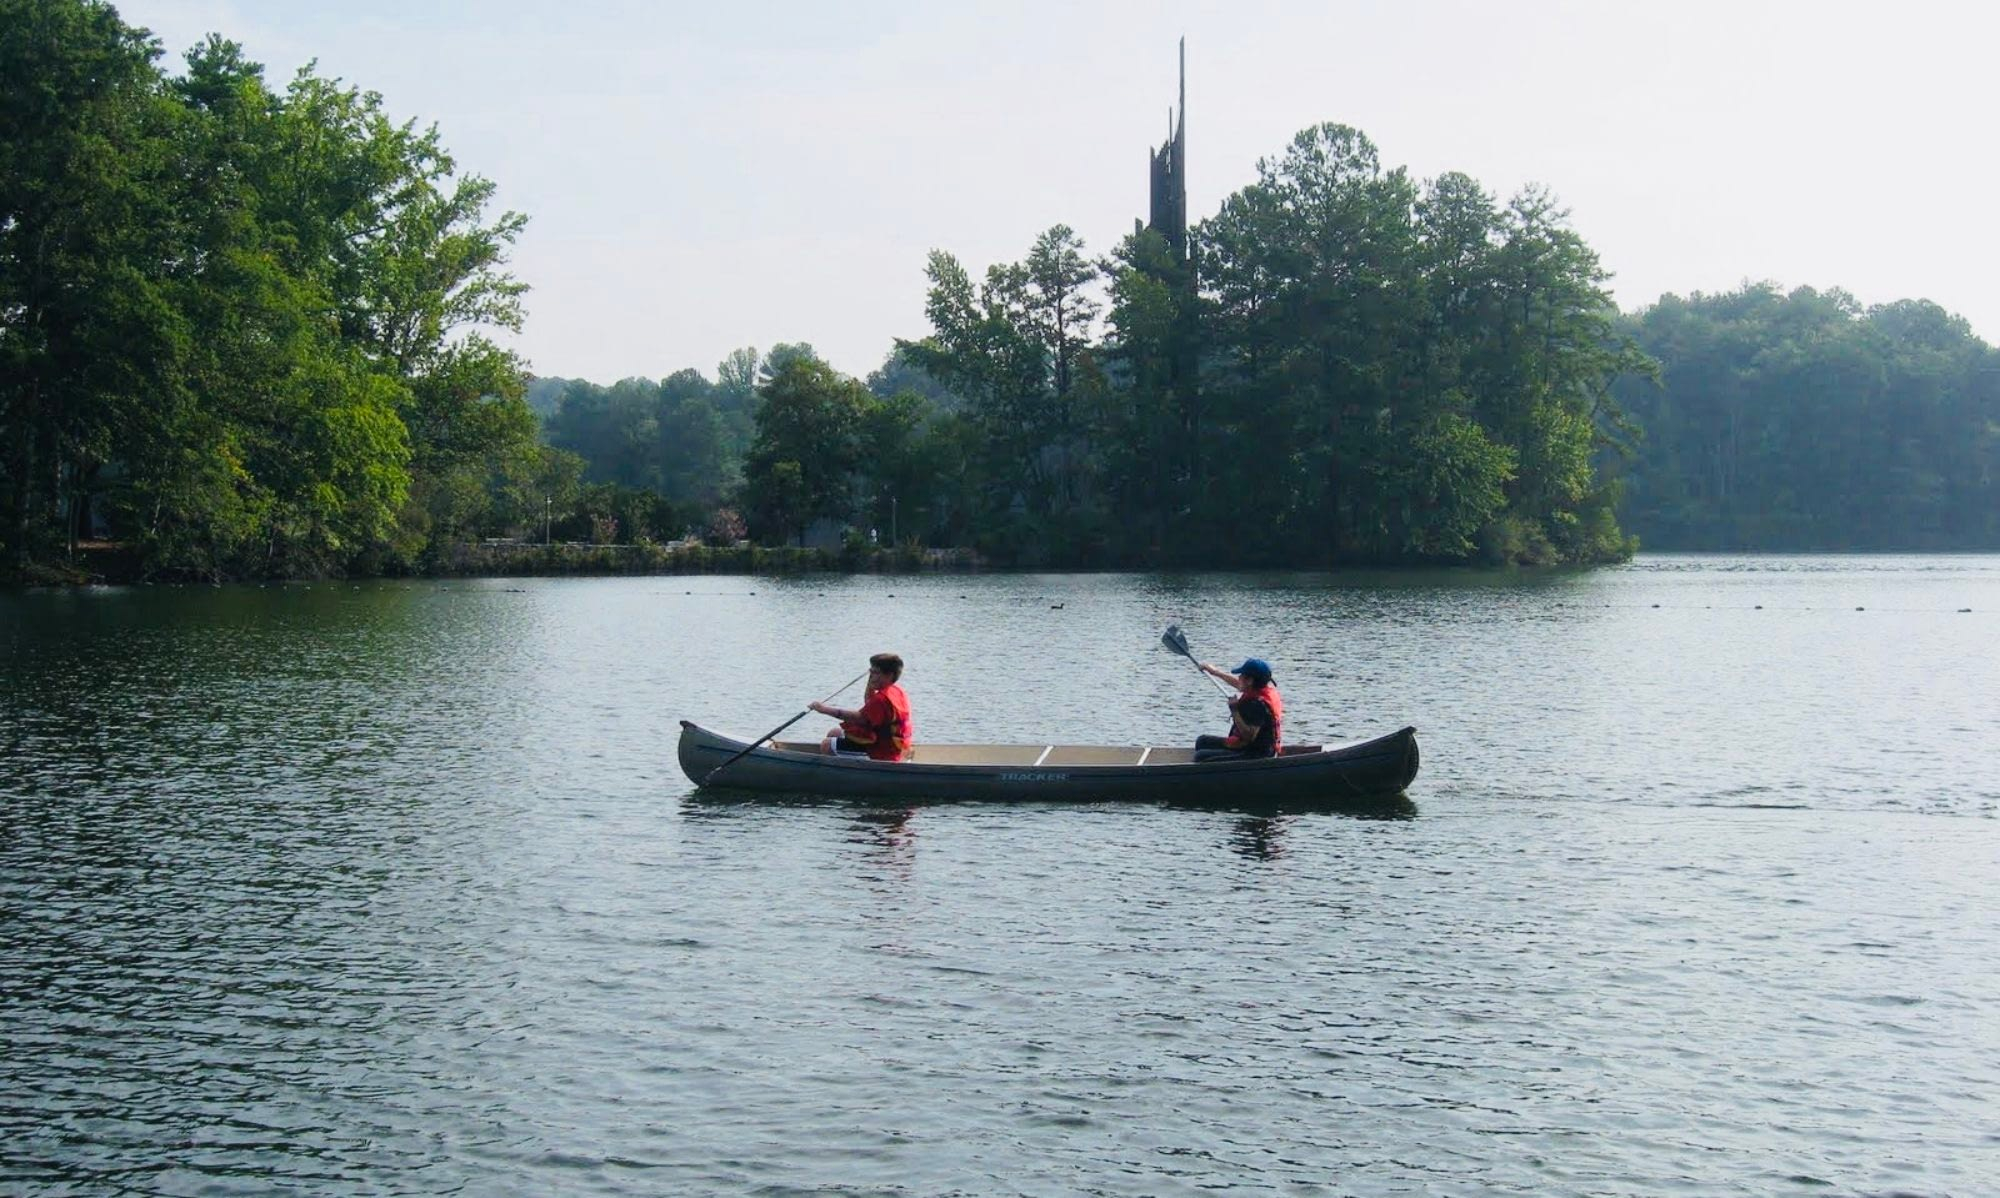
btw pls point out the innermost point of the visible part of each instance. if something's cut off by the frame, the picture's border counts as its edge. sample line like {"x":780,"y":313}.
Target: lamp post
{"x":892,"y":522}
{"x":548,"y":512}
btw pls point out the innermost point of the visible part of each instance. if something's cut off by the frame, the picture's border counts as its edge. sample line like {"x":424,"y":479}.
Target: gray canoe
{"x":1374,"y":768}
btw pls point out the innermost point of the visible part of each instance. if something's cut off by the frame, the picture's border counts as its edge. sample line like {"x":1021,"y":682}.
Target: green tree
{"x":696,"y":462}
{"x":1385,"y":339}
{"x":898,"y":374}
{"x":1312,"y":276}
{"x":1017,"y":349}
{"x":736,"y":398}
{"x":616,"y":430}
{"x":471,"y":430}
{"x":898,"y":466}
{"x":782,"y":355}
{"x":240,"y":327}
{"x":1151,"y":425}
{"x":88,"y":222}
{"x":802,"y":464}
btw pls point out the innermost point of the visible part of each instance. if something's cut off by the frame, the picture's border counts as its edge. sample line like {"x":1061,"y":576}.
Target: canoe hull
{"x":1371,"y":769}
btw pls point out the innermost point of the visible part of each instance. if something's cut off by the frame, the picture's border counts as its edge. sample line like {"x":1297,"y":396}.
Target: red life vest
{"x":1268,"y":695}
{"x":885,"y":725}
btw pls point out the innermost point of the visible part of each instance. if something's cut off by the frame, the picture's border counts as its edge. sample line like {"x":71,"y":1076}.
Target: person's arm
{"x":1225,"y":675}
{"x":839,"y":713}
{"x":871,"y":715}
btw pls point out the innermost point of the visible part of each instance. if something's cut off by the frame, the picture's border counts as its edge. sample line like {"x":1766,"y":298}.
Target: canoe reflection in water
{"x":1256,"y":836}
{"x":885,"y":828}
{"x":889,"y":834}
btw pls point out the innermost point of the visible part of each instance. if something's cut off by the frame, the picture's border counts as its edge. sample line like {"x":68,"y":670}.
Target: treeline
{"x":1365,"y":370}
{"x":242,"y":330}
{"x":1356,"y":368}
{"x":243,"y":333}
{"x":780,"y":435}
{"x":1803,"y":421}
{"x":678,"y":442}
{"x":1361,"y":368}
{"x":239,"y":326}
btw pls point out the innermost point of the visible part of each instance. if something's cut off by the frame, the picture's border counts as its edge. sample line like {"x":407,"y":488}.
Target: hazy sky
{"x":705,"y":176}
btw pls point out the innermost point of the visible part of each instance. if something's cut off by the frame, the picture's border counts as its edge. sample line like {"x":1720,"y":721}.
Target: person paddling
{"x":882,"y":728}
{"x":1256,"y":715}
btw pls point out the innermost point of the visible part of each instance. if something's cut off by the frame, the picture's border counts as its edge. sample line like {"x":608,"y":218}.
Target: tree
{"x":736,"y":398}
{"x":238,"y":327}
{"x":1385,"y":339}
{"x":88,"y":220}
{"x":898,"y":466}
{"x":782,"y":355}
{"x":696,"y":465}
{"x":616,"y":430}
{"x":1311,"y":273}
{"x":1151,"y":427}
{"x":470,"y":429}
{"x":1016,"y":350}
{"x":898,"y":373}
{"x":1045,"y":298}
{"x":801,"y":465}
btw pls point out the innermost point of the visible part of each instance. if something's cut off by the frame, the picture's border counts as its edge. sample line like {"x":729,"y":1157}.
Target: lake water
{"x":397,"y":889}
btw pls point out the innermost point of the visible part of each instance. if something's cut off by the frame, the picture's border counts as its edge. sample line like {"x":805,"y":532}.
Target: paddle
{"x":710,"y":777}
{"x":1176,"y":640}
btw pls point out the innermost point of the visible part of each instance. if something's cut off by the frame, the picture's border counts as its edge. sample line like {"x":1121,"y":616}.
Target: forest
{"x":1357,"y":368}
{"x":1755,"y":420}
{"x":1804,"y":421}
{"x":250,"y":331}
{"x":243,"y":329}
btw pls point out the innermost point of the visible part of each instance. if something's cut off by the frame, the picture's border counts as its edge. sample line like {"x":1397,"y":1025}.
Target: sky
{"x":700,"y":177}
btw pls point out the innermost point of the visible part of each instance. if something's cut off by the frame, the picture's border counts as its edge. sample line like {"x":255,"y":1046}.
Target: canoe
{"x":1374,"y":768}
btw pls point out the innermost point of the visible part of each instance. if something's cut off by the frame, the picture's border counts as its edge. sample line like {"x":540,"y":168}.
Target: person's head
{"x":884,"y":668}
{"x":1255,"y":670}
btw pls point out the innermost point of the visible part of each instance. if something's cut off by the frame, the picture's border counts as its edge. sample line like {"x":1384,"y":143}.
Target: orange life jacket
{"x":888,"y":735}
{"x":1268,"y":694}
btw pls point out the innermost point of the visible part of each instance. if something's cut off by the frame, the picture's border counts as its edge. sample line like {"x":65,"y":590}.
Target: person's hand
{"x":818,"y":706}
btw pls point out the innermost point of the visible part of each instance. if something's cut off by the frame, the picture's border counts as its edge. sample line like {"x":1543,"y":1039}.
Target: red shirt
{"x":886,"y":727}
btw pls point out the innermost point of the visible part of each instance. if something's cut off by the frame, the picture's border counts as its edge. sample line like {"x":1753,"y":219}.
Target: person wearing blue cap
{"x":1256,"y":715}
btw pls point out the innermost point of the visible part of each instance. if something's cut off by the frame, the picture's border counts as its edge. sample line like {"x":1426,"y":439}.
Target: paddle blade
{"x":1176,"y":640}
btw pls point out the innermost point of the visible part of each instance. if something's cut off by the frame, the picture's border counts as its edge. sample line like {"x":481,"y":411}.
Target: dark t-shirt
{"x":1255,"y":711}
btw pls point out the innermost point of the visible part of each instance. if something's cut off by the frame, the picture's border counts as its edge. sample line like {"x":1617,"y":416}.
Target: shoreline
{"x":108,"y":564}
{"x":112,"y":564}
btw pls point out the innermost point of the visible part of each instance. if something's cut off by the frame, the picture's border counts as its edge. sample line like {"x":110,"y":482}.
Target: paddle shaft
{"x":1176,"y":640}
{"x":773,"y":732}
{"x":1226,"y":692}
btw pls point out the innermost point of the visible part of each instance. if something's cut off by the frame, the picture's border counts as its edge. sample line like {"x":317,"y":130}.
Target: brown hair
{"x":889,"y":664}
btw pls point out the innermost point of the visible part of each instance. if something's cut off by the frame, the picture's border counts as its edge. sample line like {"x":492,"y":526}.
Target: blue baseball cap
{"x":1256,"y":667}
